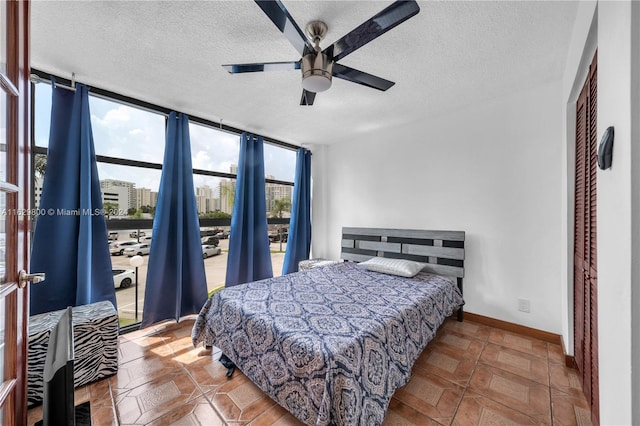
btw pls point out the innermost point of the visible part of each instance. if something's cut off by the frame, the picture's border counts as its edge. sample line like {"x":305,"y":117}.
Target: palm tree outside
{"x":109,"y":208}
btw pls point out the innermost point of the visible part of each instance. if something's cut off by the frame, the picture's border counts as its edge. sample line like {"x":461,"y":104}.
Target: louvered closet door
{"x":579,"y":295}
{"x":585,"y":243}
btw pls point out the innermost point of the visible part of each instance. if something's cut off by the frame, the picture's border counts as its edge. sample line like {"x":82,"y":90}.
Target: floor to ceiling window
{"x":129,"y":143}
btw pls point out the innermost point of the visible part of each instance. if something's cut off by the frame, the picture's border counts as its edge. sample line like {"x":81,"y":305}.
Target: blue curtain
{"x":70,"y":238}
{"x":299,"y":241}
{"x":249,"y":257}
{"x":176,"y":282}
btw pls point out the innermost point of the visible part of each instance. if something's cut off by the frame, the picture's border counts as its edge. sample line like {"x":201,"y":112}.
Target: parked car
{"x":122,"y":278}
{"x":112,"y":236}
{"x":223,"y":235}
{"x":208,"y":250}
{"x":209,"y":232}
{"x":116,"y":248}
{"x":137,"y":249}
{"x":275,"y":236}
{"x":136,"y":234}
{"x":210,"y":241}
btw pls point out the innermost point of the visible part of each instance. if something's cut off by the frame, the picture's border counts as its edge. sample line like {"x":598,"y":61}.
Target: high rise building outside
{"x":108,"y":184}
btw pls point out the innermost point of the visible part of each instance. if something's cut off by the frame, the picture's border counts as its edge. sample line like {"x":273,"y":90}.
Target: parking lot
{"x":215,"y":270}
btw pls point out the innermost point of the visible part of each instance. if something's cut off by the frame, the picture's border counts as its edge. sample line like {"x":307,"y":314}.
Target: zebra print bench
{"x":95,"y":334}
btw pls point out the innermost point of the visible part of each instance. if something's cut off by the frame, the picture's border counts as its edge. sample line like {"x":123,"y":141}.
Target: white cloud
{"x":127,"y":132}
{"x":201,"y":161}
{"x":114,"y":117}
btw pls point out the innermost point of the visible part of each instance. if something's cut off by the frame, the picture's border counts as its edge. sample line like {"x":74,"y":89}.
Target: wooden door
{"x":14,"y":220}
{"x":585,"y":277}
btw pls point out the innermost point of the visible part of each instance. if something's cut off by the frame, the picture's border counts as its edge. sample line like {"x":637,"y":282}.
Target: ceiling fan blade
{"x":307,"y":97}
{"x":389,"y":18}
{"x":361,"y":77}
{"x":266,"y":66}
{"x":279,"y":15}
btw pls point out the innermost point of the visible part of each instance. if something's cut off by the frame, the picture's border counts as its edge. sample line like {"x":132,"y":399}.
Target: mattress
{"x":331,"y":344}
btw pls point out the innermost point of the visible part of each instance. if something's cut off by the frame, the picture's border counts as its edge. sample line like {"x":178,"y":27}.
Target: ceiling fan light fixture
{"x":316,"y":72}
{"x":317,"y":66}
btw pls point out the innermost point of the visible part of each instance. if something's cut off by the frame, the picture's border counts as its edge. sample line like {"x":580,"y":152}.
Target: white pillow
{"x":401,"y":267}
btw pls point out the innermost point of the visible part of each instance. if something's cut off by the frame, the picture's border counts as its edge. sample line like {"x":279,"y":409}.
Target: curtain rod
{"x":73,"y":83}
{"x":35,"y":78}
{"x":38,"y":76}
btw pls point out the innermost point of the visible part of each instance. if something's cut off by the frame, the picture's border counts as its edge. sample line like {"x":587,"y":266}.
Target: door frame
{"x":16,"y":84}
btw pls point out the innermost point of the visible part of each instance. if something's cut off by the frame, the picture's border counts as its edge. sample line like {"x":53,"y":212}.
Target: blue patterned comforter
{"x":331,"y":344}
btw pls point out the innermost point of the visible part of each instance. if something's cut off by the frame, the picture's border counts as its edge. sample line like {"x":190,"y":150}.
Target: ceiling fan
{"x":318,"y":66}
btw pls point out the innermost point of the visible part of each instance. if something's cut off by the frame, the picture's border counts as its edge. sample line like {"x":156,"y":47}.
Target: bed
{"x":332,"y":344}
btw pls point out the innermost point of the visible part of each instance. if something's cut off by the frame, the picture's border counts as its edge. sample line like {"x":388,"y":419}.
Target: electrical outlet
{"x":524,"y":305}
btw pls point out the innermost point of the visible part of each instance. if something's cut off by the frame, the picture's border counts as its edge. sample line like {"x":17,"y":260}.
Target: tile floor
{"x":470,"y":374}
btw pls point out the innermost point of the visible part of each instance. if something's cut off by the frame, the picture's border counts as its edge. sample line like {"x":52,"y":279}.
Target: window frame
{"x":39,"y":76}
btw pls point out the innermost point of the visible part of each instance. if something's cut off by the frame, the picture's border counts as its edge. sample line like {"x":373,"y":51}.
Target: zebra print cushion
{"x":95,"y":333}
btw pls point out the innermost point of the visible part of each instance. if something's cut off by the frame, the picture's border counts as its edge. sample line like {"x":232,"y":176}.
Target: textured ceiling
{"x":450,"y":55}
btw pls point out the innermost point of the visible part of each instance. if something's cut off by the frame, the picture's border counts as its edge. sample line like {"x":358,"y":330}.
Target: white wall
{"x":319,"y":222}
{"x":635,"y":212}
{"x":612,"y":27}
{"x":615,"y":214}
{"x":492,"y":170}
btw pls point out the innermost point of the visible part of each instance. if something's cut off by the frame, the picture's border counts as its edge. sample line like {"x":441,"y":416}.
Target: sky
{"x":130,"y":133}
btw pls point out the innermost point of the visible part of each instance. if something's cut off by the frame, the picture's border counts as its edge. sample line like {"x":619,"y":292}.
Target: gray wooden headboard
{"x":442,"y":251}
